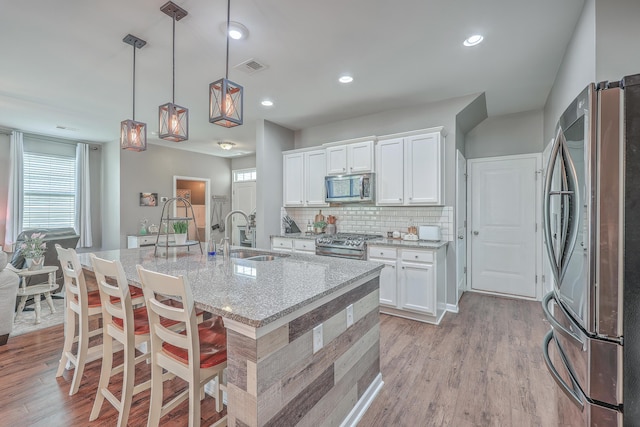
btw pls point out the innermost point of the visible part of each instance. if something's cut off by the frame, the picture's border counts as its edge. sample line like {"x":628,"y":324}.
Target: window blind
{"x":49,"y":191}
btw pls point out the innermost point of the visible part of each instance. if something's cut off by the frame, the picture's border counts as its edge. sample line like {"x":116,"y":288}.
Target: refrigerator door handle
{"x":569,"y":391}
{"x":555,"y":324}
{"x":555,"y":150}
{"x":573,"y":186}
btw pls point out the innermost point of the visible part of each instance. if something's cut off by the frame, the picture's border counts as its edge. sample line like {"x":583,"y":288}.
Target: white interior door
{"x":547,"y":274}
{"x":461,"y":223}
{"x":503,"y":226}
{"x":244,"y":198}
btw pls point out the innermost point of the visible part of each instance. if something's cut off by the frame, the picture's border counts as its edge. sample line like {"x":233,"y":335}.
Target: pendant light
{"x":225,"y":96}
{"x":133,"y":135}
{"x":173,"y":119}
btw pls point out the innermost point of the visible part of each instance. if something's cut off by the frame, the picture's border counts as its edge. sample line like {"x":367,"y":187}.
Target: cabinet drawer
{"x":381,"y":252}
{"x":417,"y":256}
{"x":278,"y":242}
{"x":304,"y":245}
{"x":146,"y":240}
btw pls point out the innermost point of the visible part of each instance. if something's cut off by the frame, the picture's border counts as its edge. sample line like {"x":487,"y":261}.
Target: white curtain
{"x":83,"y":196}
{"x":15,"y":196}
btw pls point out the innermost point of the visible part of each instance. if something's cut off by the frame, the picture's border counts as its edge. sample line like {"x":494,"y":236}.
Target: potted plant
{"x":319,"y":226}
{"x":32,"y":249}
{"x":180,"y":230}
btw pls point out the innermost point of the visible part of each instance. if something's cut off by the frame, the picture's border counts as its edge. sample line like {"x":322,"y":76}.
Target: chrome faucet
{"x":225,"y":246}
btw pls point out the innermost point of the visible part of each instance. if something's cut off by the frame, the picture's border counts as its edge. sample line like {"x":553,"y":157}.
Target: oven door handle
{"x":328,"y":252}
{"x":569,"y":391}
{"x":555,"y":324}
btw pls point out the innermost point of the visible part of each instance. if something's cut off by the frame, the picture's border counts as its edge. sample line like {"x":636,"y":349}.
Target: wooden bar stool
{"x":126,"y":325}
{"x":197,"y":355}
{"x":84,"y":304}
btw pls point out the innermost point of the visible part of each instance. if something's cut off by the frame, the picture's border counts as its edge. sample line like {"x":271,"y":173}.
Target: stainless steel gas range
{"x":345,"y":245}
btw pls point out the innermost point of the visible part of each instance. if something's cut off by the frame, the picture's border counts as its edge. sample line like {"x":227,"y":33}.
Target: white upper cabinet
{"x":423,"y":170}
{"x":303,"y":178}
{"x":315,"y":166}
{"x":350,"y":158}
{"x":293,"y":192}
{"x":390,"y":171}
{"x":409,"y":169}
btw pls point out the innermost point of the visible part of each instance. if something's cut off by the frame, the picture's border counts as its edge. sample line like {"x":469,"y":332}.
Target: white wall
{"x":153,"y":171}
{"x":577,"y":70}
{"x":271,"y":141}
{"x":4,"y":182}
{"x":111,"y":195}
{"x":617,"y":37}
{"x":245,"y":162}
{"x":506,"y":135}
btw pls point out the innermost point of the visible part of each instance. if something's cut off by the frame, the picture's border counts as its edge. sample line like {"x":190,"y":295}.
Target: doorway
{"x":504,"y":201}
{"x":243,"y":198}
{"x":461,"y":224}
{"x":197,"y":192}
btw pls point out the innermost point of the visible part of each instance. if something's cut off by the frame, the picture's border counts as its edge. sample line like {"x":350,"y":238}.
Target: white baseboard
{"x":453,"y":308}
{"x":363,"y":404}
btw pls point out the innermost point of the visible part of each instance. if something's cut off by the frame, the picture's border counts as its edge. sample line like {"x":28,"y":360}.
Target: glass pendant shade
{"x":133,"y":135}
{"x":225,"y":103}
{"x":174,"y":122}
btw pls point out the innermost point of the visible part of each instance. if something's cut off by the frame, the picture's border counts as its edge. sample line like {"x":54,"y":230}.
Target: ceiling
{"x":64,"y":62}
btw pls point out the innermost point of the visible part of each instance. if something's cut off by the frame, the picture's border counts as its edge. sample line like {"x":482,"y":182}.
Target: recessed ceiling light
{"x":474,"y":40}
{"x":267,"y":103}
{"x":345,"y":79}
{"x":237,"y":31}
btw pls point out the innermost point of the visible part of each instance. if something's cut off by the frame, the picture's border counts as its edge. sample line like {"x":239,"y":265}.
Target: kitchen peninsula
{"x":302,"y":331}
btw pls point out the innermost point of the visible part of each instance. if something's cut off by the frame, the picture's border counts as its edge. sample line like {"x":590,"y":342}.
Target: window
{"x":244,"y":175}
{"x":49,"y":190}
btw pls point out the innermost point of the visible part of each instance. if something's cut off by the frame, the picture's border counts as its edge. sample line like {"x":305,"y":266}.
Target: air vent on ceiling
{"x":251,"y":66}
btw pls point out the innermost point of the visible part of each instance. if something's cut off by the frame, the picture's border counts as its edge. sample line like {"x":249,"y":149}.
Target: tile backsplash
{"x":379,"y":219}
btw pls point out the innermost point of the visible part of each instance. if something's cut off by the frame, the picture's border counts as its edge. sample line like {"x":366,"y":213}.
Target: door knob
{"x":461,"y":237}
{"x":475,"y":233}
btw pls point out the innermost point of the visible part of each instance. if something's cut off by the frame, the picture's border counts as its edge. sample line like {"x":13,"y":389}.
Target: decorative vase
{"x":34,"y":263}
{"x":180,"y":238}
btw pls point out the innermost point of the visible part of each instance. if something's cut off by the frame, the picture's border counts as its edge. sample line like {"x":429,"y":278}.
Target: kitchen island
{"x":302,"y":331}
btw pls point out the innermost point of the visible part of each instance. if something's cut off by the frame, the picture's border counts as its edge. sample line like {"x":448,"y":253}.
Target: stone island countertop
{"x":254,"y":293}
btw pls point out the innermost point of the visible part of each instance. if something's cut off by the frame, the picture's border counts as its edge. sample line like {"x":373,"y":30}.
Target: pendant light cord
{"x":228,"y":20}
{"x":173,"y":55}
{"x":134,"y":82}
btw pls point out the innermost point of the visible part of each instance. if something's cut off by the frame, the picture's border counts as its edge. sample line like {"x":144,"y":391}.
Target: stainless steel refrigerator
{"x":592,"y":233}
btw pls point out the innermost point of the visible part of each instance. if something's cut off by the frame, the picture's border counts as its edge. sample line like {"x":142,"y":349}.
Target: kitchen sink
{"x":255,"y":255}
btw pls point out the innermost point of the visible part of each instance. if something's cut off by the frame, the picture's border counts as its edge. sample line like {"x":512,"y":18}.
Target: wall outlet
{"x":349,"y":315}
{"x":317,"y":338}
{"x":163,"y":199}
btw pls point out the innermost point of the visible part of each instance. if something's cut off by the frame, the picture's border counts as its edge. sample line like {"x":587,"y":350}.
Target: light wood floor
{"x":481,"y":367}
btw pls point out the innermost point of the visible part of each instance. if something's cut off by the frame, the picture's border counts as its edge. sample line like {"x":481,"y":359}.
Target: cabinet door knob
{"x":475,"y":233}
{"x":400,"y":199}
{"x":344,"y":169}
{"x":403,"y":268}
{"x":461,"y":237}
{"x":410,"y":198}
{"x":393,"y":266}
{"x":416,"y":256}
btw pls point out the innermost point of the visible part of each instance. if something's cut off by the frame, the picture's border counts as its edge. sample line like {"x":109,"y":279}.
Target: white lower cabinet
{"x":288,"y":244}
{"x":412,"y":282}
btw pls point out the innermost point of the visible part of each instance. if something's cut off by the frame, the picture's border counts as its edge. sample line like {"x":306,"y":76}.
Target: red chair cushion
{"x":213,"y":344}
{"x":94,"y":296}
{"x":141,"y":321}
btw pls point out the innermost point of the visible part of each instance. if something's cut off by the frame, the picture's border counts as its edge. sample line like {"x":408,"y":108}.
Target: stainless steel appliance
{"x":350,"y":188}
{"x":345,"y":245}
{"x":592,"y":232}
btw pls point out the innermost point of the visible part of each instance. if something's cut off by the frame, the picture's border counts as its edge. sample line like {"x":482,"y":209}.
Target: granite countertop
{"x":255,"y":293}
{"x":302,"y":235}
{"x":383,"y":241}
{"x":425,"y":244}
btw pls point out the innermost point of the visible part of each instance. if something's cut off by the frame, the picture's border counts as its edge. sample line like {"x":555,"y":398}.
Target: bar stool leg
{"x":105,"y":375}
{"x":69,"y":332}
{"x":83,"y":347}
{"x":127,"y":382}
{"x":155,"y":406}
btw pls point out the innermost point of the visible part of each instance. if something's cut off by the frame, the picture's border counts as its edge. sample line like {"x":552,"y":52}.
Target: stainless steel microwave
{"x":350,"y":188}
